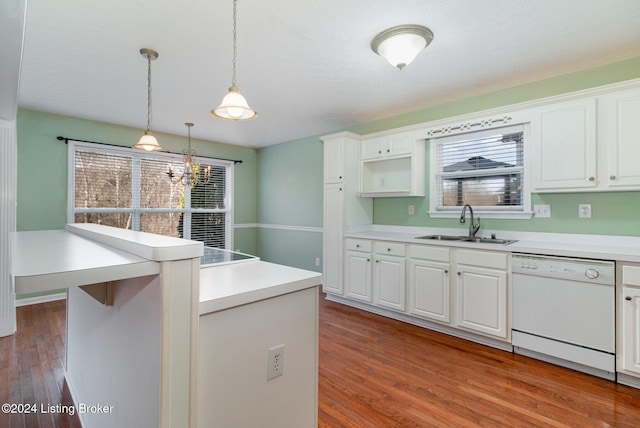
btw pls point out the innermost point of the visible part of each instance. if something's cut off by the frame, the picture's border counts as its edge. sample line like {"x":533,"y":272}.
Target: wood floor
{"x":374,"y":372}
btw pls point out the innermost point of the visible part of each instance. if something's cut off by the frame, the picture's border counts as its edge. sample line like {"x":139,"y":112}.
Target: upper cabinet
{"x":590,"y":144}
{"x":564,"y":146}
{"x":392,"y":165}
{"x":621,"y":131}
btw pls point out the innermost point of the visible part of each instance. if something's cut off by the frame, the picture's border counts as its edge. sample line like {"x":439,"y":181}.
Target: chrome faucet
{"x":473,"y":228}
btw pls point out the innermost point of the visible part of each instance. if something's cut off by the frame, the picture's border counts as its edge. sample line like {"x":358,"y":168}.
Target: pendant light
{"x":400,"y":45}
{"x":234,"y":106}
{"x":148,"y":142}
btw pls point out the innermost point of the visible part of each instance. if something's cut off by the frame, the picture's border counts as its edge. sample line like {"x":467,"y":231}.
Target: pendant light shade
{"x":148,"y":142}
{"x":400,"y":45}
{"x":234,"y":105}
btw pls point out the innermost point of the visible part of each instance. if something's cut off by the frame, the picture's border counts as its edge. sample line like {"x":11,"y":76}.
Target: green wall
{"x":285,"y":187}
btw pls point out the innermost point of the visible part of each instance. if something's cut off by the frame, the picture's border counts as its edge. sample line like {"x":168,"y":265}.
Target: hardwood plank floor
{"x":378,"y":372}
{"x":374,"y":372}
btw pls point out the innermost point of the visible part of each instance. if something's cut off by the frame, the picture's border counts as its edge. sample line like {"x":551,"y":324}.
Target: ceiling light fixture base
{"x":401,"y":44}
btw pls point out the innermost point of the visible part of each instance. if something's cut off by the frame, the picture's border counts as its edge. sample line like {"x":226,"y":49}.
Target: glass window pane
{"x":102,"y":180}
{"x":161,"y":223}
{"x":156,"y":190}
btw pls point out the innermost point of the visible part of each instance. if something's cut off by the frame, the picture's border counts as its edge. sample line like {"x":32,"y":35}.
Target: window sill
{"x":519,"y":215}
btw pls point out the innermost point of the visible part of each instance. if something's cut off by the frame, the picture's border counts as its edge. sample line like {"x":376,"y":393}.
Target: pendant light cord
{"x":148,"y":92}
{"x":235,"y":49}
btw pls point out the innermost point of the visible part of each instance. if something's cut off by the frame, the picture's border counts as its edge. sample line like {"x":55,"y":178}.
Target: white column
{"x":8,"y":165}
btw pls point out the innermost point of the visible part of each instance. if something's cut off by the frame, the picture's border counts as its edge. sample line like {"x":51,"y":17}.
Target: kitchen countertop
{"x":604,"y":247}
{"x":230,"y":285}
{"x":84,"y":254}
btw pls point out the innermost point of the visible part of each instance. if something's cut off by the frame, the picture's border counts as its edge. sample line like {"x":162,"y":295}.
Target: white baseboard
{"x":40,"y":299}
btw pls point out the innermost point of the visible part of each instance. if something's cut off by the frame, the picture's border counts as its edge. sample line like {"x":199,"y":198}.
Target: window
{"x":125,"y":188}
{"x":484,"y":169}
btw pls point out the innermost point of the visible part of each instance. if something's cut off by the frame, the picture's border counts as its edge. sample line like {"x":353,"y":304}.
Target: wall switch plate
{"x":542,"y":210}
{"x":584,"y":210}
{"x":412,"y":210}
{"x":275,"y":363}
{"x":317,"y":261}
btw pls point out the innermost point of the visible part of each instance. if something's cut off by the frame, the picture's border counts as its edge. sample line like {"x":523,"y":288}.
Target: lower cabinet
{"x":482,"y":293}
{"x":358,"y":269}
{"x":465,"y":289}
{"x":389,"y":275}
{"x":429,"y":283}
{"x":629,"y":321}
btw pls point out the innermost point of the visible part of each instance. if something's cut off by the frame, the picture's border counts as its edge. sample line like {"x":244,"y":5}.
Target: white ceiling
{"x":306,"y":65}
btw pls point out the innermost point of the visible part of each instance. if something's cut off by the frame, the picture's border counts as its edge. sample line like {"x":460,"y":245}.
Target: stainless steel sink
{"x":467,"y":239}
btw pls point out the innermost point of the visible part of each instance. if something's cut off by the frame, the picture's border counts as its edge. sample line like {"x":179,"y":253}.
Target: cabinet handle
{"x":627,"y":298}
{"x":613,"y":177}
{"x":592,"y":179}
{"x":340,"y":177}
{"x":446,"y":271}
{"x":377,"y":261}
{"x":459,"y":273}
{"x":379,"y":151}
{"x":388,"y":150}
{"x":368,"y":260}
{"x":388,"y":249}
{"x":357,"y":245}
{"x":341,"y":189}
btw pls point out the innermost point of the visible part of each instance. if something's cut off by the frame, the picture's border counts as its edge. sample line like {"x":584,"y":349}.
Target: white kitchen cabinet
{"x":589,"y":144}
{"x":564,"y":146}
{"x":622,"y":137}
{"x":389,"y":275}
{"x":482,"y":292}
{"x":342,"y":208}
{"x":386,"y":147}
{"x":392,"y":166}
{"x":628,"y":351}
{"x":357,"y":276}
{"x":429,"y":283}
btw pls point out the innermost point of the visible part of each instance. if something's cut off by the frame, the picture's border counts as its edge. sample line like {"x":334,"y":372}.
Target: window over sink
{"x":485,"y":169}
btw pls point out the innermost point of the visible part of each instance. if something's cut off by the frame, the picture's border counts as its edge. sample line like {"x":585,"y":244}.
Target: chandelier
{"x":192,"y":173}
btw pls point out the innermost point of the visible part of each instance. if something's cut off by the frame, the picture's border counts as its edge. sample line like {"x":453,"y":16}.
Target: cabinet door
{"x":333,"y":219}
{"x":334,"y":161}
{"x":429,"y":290}
{"x":564,"y":146}
{"x":371,"y":149}
{"x":358,"y":275}
{"x":389,"y":282}
{"x":631,"y":329}
{"x":482,"y":300}
{"x":397,"y":145}
{"x":622,"y":113}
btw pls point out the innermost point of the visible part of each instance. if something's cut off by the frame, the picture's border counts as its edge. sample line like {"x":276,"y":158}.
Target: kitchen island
{"x":134,"y":322}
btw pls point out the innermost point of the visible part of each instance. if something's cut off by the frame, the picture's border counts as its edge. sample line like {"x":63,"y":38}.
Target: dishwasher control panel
{"x":594,"y":271}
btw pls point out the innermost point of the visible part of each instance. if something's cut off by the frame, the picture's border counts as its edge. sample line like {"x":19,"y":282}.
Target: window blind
{"x":125,"y":188}
{"x":484,"y":170}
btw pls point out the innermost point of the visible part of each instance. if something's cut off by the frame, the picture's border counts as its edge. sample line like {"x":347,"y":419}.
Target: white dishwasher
{"x":564,"y":312}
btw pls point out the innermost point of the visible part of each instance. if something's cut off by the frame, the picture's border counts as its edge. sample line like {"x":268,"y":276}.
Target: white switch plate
{"x":542,"y":210}
{"x":412,"y":210}
{"x":584,"y":210}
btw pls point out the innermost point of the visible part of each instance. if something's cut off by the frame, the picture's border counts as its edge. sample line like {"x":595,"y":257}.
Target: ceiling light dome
{"x":400,"y":45}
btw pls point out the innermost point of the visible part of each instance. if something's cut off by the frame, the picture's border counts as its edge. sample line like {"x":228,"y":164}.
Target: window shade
{"x":484,"y":170}
{"x":125,"y":188}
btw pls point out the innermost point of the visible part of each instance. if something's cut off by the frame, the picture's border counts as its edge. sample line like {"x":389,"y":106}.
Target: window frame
{"x":497,"y":212}
{"x":135,"y":209}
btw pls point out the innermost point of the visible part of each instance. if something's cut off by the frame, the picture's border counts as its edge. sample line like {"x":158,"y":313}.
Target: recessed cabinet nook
{"x":582,"y":141}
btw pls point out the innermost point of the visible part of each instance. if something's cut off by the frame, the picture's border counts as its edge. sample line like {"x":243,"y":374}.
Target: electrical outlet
{"x":275,"y":366}
{"x":584,"y":210}
{"x":542,"y":210}
{"x":317,"y":261}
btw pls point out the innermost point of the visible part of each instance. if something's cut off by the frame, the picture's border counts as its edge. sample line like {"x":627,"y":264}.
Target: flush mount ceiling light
{"x":234,"y":106}
{"x":400,"y":45}
{"x":148,"y":142}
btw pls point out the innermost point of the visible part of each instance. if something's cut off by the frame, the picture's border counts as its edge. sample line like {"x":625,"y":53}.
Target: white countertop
{"x":227,"y":286}
{"x":605,"y":247}
{"x":53,"y":259}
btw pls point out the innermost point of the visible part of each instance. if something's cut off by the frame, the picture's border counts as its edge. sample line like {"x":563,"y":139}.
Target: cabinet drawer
{"x":487,"y":259}
{"x":358,"y":245}
{"x":425,"y":252}
{"x":631,"y":275}
{"x":390,"y":248}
